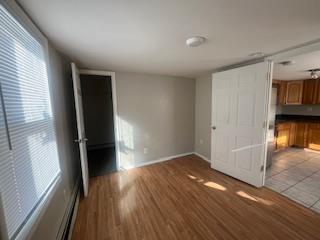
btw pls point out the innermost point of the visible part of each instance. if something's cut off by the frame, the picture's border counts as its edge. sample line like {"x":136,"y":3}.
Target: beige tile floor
{"x":295,"y":173}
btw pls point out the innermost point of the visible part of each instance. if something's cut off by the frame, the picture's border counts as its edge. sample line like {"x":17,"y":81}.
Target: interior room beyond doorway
{"x":99,"y":123}
{"x":293,"y":162}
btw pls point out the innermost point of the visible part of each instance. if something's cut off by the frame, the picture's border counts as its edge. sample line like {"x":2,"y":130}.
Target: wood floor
{"x":186,"y":199}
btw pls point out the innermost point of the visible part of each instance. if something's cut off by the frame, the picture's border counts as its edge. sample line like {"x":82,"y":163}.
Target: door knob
{"x":214,"y":127}
{"x":85,"y":139}
{"x":77,"y":140}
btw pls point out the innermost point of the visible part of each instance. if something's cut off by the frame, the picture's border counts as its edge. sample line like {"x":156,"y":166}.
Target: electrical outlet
{"x":145,"y":150}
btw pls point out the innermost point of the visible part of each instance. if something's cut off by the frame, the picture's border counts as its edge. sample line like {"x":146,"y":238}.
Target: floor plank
{"x":185,"y":199}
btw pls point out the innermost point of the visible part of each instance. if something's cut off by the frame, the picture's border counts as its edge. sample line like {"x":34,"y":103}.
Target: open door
{"x":240,"y":103}
{"x":81,"y":131}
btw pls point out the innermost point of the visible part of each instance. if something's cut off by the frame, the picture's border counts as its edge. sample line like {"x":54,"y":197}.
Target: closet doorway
{"x":98,"y":100}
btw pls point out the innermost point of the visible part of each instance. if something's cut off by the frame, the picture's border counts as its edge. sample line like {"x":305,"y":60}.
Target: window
{"x":29,"y":163}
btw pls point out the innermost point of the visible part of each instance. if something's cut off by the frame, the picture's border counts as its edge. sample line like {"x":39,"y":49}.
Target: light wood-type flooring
{"x":186,"y":199}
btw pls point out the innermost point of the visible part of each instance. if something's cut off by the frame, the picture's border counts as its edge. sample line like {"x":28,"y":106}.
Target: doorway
{"x":99,"y":123}
{"x":107,"y":165}
{"x":293,"y":168}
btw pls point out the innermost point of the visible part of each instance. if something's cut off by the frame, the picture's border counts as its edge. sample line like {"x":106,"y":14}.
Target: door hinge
{"x":264,"y":124}
{"x":261,"y":169}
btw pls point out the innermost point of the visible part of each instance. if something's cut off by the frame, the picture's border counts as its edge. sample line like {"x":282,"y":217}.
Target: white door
{"x":81,"y":131}
{"x":240,"y":103}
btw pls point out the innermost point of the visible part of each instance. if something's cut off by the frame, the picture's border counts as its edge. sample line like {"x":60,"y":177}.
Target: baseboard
{"x":100,"y":146}
{"x":203,"y":157}
{"x":65,"y":224}
{"x":159,"y":160}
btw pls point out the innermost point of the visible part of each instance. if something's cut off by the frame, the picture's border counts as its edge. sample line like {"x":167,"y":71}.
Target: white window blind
{"x":28,"y":151}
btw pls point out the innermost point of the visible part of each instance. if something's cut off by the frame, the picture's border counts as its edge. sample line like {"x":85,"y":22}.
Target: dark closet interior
{"x":99,"y":123}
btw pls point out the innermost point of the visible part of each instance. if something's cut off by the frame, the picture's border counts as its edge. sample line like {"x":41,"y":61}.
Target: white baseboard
{"x":203,"y":157}
{"x":141,"y":164}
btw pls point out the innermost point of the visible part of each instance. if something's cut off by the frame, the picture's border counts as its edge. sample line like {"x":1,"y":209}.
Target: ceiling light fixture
{"x":314,"y":73}
{"x":195,"y":41}
{"x":287,"y":63}
{"x":256,"y":54}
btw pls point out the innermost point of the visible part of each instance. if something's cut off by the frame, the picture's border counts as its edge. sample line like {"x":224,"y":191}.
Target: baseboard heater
{"x":66,"y":227}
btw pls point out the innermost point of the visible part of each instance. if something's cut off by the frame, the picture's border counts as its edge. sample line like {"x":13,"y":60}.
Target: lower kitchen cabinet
{"x":284,"y":135}
{"x":300,"y":134}
{"x":313,"y":141}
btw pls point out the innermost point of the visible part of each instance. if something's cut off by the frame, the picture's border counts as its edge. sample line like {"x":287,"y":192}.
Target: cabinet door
{"x":301,"y":135}
{"x":283,"y":138}
{"x":314,"y":136}
{"x":283,"y":135}
{"x":317,"y":92}
{"x":309,"y":91}
{"x":292,"y":133}
{"x":281,"y":91}
{"x":294,"y":92}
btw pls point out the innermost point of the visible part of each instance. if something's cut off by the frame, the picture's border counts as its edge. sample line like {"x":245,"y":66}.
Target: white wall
{"x":156,"y":116}
{"x":63,"y":108}
{"x":203,"y":116}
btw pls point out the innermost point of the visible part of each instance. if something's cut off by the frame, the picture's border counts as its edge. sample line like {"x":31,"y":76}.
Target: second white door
{"x":240,"y":102}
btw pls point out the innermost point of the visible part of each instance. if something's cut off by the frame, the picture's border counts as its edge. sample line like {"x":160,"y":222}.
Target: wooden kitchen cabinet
{"x":313,"y":139}
{"x":294,"y":92}
{"x":282,"y":95}
{"x":297,"y":92}
{"x":301,"y":135}
{"x":281,"y":91}
{"x":317,"y":92}
{"x":311,"y":93}
{"x":285,"y":135}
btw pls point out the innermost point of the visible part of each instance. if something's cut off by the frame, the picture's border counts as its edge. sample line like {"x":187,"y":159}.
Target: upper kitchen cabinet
{"x":297,"y":92}
{"x":311,"y":92}
{"x":294,"y":92}
{"x":281,"y":91}
{"x":317,"y":92}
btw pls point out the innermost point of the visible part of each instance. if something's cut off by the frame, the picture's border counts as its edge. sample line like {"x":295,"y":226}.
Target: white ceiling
{"x":149,"y":35}
{"x":298,"y":70}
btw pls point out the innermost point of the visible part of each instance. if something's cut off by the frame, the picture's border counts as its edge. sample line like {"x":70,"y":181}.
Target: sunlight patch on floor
{"x":215,"y":186}
{"x":254,"y":198}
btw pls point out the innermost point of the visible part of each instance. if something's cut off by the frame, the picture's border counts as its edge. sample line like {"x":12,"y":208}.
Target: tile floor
{"x":295,"y":173}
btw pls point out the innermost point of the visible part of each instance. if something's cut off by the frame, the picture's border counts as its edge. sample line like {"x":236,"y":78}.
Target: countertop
{"x":281,"y":118}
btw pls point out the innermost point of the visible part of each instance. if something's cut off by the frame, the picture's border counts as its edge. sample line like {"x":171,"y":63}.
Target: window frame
{"x":32,"y":221}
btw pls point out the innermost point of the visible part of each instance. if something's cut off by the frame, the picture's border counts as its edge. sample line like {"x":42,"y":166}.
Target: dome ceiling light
{"x":195,"y":41}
